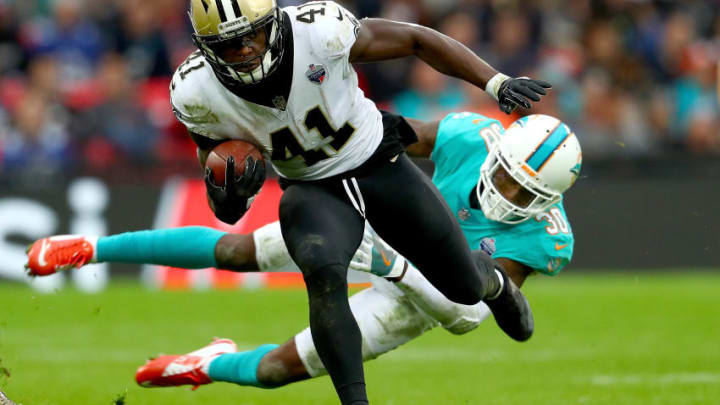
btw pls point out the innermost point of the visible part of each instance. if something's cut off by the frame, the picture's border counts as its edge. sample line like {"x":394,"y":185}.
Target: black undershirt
{"x":474,"y":202}
{"x":276,"y":84}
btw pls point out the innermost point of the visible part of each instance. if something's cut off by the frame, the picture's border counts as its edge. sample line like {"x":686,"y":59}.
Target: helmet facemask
{"x":495,"y":205}
{"x":235,"y":34}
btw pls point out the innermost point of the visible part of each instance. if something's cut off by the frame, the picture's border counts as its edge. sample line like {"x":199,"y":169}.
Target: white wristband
{"x":493,"y":85}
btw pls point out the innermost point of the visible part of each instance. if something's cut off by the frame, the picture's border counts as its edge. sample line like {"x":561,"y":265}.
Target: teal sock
{"x":239,"y":368}
{"x":191,"y":247}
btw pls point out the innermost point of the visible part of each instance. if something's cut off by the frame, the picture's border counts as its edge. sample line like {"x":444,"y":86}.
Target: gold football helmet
{"x":222,"y":25}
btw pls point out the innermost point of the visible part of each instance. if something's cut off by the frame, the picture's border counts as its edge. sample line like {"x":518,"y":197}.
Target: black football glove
{"x":515,"y":92}
{"x":233,"y":199}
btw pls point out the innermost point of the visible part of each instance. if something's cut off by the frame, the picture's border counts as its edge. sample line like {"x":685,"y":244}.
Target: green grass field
{"x":601,"y":339}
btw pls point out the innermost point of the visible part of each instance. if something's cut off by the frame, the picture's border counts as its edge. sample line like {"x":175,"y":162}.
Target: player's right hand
{"x":233,"y":199}
{"x":519,"y":91}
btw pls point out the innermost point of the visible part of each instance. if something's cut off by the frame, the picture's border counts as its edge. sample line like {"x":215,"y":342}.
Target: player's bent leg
{"x":408,"y":212}
{"x":386,"y":321}
{"x":456,"y":318}
{"x":322,"y":232}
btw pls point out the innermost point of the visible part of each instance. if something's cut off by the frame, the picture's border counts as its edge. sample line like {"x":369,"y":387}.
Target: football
{"x":240,"y":150}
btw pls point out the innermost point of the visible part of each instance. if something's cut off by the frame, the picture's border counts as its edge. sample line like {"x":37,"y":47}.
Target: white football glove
{"x":377,"y":257}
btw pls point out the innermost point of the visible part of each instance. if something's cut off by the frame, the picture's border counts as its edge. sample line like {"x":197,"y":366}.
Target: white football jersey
{"x":326,"y":126}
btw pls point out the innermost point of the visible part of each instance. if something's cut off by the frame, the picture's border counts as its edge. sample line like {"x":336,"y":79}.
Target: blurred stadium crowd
{"x":84,"y":84}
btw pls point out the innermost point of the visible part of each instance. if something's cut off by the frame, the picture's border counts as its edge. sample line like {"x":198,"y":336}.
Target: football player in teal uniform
{"x":504,"y":187}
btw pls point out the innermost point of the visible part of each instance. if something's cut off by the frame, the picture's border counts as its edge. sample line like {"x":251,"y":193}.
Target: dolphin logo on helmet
{"x":542,"y":155}
{"x":219,"y":24}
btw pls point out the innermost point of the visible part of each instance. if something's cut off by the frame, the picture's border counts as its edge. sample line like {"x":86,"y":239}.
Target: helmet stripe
{"x":221,"y":10}
{"x":236,"y":8}
{"x":547,"y":147}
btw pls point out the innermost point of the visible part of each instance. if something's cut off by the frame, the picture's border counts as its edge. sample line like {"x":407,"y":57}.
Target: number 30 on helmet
{"x":220,"y":25}
{"x":539,"y":152}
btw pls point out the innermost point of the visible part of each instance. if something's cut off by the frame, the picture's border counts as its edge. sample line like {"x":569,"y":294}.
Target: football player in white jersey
{"x":283,"y":79}
{"x":536,"y":239}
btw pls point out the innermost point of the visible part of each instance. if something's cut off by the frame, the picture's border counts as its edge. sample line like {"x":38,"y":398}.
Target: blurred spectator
{"x":118,"y":129}
{"x":141,"y":41}
{"x":82,"y":78}
{"x":511,"y":49}
{"x":11,"y":55}
{"x":38,"y":144}
{"x":69,"y":37}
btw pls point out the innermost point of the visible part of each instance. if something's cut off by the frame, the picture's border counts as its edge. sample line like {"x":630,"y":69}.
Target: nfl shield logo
{"x":487,"y":245}
{"x":316,"y":74}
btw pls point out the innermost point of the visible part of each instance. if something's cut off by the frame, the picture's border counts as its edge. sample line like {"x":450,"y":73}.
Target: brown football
{"x":240,"y":150}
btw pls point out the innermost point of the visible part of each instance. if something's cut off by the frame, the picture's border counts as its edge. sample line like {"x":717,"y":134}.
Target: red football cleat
{"x":57,"y":253}
{"x":191,"y":368}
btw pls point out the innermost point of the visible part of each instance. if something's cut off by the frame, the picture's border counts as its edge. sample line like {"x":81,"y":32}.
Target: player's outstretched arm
{"x":380,"y":39}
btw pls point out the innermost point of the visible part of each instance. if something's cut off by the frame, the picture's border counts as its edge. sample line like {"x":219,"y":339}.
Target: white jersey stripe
{"x":229,"y":10}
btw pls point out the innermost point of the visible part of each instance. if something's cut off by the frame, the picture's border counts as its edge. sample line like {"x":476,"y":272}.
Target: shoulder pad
{"x":333,"y":29}
{"x":189,"y":105}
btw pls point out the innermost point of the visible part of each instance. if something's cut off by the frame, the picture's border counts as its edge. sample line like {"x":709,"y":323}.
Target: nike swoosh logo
{"x":385,"y":259}
{"x":560,"y":247}
{"x":41,"y":257}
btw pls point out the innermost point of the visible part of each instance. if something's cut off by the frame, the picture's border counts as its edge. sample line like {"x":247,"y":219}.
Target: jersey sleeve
{"x":333,"y":29}
{"x":461,"y":136}
{"x":544,"y":243}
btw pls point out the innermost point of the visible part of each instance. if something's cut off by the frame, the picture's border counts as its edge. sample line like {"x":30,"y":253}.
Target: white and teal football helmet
{"x":541,"y":154}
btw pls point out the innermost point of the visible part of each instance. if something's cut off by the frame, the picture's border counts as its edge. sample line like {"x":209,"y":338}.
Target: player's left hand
{"x":519,"y":91}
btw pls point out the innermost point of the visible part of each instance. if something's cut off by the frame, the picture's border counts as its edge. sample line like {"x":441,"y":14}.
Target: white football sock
{"x":271,"y":253}
{"x":457,"y":318}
